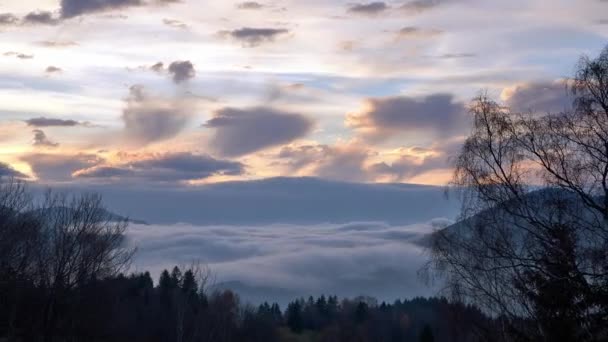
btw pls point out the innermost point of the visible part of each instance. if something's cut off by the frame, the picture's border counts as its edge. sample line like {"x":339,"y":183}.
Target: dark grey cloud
{"x":539,"y":97}
{"x":418,"y":6}
{"x":41,"y":140}
{"x":51,"y":122}
{"x":104,"y":172}
{"x":417,"y":32}
{"x":371,"y":8}
{"x":168,"y":167}
{"x":40,"y":18}
{"x":32,"y":18}
{"x":73,"y":8}
{"x":53,"y":70}
{"x":8,"y":171}
{"x":158,"y":67}
{"x":148,"y":119}
{"x":8,"y":19}
{"x":52,"y":167}
{"x":243,"y":131}
{"x":252,"y":37}
{"x":437,"y":113}
{"x":250,"y":5}
{"x":181,"y":71}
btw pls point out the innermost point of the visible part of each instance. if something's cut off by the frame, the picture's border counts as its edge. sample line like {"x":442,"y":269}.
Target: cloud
{"x":8,"y":171}
{"x":73,"y":8}
{"x":56,"y":167}
{"x":148,"y":119}
{"x":350,"y":259}
{"x":158,"y":67}
{"x":252,"y":37}
{"x":250,"y":5}
{"x":41,"y":140}
{"x":456,"y":55}
{"x":51,"y":122}
{"x":53,"y":70}
{"x":371,"y":8}
{"x":382,"y":117}
{"x":419,"y":6}
{"x":175,"y":23}
{"x":181,"y":71}
{"x":18,"y":55}
{"x":167,"y":167}
{"x":409,"y":32}
{"x":344,"y":162}
{"x":354,"y":161}
{"x":411,"y":162}
{"x":243,"y":131}
{"x":57,"y":43}
{"x":40,"y":18}
{"x":8,"y":19}
{"x":538,"y":97}
{"x":30,"y":19}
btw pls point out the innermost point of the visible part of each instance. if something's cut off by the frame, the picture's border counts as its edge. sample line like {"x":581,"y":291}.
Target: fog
{"x":280,"y":262}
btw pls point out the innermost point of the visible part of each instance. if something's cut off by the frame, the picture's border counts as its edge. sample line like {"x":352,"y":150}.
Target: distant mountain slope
{"x":538,"y":200}
{"x":281,"y":200}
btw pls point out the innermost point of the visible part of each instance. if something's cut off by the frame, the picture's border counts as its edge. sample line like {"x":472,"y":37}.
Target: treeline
{"x":181,"y":308}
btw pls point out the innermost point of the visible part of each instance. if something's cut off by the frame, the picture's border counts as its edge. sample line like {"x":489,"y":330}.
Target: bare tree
{"x":79,"y":242}
{"x":18,"y":233}
{"x":19,"y":239}
{"x":532,"y":245}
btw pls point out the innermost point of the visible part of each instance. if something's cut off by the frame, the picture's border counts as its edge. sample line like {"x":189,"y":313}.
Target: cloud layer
{"x":283,"y":261}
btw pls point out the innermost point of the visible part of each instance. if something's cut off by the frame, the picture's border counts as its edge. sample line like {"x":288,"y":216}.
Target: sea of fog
{"x":281,"y":262}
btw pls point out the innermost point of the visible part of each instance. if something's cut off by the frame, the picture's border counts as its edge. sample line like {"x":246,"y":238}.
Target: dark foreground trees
{"x":51,"y":248}
{"x":133,"y":309}
{"x":533,"y":245}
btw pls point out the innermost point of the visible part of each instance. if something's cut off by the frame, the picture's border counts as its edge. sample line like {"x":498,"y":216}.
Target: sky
{"x":191,"y":92}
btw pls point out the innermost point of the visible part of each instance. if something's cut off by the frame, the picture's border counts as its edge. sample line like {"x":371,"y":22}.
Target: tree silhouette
{"x":531,"y":248}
